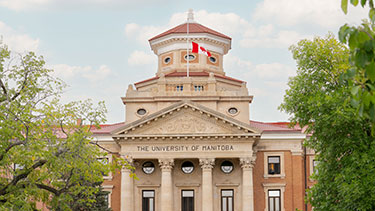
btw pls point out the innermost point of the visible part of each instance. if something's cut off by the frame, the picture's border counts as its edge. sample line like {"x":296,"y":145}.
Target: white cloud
{"x":273,"y":71}
{"x":66,"y":72}
{"x":230,"y":24}
{"x":22,"y":5}
{"x":17,"y":41}
{"x":140,"y":58}
{"x":235,"y":63}
{"x":264,"y":38}
{"x":318,"y":12}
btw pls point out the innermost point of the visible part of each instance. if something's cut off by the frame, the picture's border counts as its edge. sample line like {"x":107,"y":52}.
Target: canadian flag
{"x":200,"y":49}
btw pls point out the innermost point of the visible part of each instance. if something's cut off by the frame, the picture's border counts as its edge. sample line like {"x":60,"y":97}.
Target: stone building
{"x":190,"y":138}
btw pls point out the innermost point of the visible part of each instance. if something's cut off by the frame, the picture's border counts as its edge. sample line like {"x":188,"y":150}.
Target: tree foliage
{"x":361,"y":42}
{"x":44,"y":154}
{"x":320,"y":97}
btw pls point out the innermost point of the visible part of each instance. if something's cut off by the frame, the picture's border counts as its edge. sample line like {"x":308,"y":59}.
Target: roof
{"x":261,"y":126}
{"x":193,"y":28}
{"x":107,"y":128}
{"x":192,"y":74}
{"x":274,"y":126}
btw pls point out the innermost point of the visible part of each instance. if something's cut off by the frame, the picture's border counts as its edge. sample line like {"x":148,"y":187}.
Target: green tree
{"x":44,"y":154}
{"x":361,"y":42}
{"x":319,"y":97}
{"x":100,"y":204}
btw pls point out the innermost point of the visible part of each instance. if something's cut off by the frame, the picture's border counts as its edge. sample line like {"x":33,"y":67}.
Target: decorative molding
{"x":282,"y":165}
{"x":272,"y":185}
{"x":247,"y":162}
{"x":188,"y":184}
{"x":188,"y":124}
{"x":212,"y":118}
{"x":207,"y":163}
{"x":227,"y":184}
{"x":147,"y":186}
{"x":166,"y":164}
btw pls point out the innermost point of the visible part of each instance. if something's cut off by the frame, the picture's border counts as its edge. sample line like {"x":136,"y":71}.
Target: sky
{"x":99,"y":47}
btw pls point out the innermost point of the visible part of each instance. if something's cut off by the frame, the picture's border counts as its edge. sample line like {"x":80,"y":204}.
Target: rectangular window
{"x":274,"y":165}
{"x":179,"y":88}
{"x":274,"y":200}
{"x":198,"y":88}
{"x":106,"y":198}
{"x":187,"y":200}
{"x":227,"y":200}
{"x":104,"y":161}
{"x":315,"y":163}
{"x":148,"y":200}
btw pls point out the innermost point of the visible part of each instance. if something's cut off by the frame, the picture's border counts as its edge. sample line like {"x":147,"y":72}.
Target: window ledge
{"x":266,"y":176}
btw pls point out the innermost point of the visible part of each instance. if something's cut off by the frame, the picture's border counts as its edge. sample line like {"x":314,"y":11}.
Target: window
{"x":187,"y":200}
{"x":179,"y":88}
{"x":148,"y":167}
{"x":212,"y":59}
{"x":191,"y":57}
{"x":198,"y":88}
{"x":274,"y":165}
{"x":104,"y":161}
{"x":148,"y":200}
{"x":187,"y":167}
{"x":274,"y":196}
{"x":315,"y":164}
{"x":227,"y":200}
{"x":167,"y":60}
{"x":141,"y":111}
{"x":226,"y":167}
{"x":233,"y":110}
{"x":107,"y":197}
{"x":274,"y":200}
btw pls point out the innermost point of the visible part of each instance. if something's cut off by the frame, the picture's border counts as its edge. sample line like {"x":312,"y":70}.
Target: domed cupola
{"x":171,"y":48}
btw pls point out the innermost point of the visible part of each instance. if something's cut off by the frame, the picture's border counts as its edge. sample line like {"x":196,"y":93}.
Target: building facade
{"x":189,"y":137}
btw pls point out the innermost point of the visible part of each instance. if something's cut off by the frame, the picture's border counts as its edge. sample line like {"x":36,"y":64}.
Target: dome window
{"x":191,"y":57}
{"x":141,"y":111}
{"x":148,"y":167}
{"x":212,"y":59}
{"x":233,"y":110}
{"x":187,"y":167}
{"x":167,"y":60}
{"x":227,"y":167}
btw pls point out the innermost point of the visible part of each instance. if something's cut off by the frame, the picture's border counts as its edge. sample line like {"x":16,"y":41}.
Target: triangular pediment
{"x":185,"y":118}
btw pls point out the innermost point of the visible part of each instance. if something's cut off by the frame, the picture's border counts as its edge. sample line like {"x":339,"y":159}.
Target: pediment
{"x":186,"y":118}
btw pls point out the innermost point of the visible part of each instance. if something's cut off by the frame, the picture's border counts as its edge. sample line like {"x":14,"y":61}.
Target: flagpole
{"x":187,"y":43}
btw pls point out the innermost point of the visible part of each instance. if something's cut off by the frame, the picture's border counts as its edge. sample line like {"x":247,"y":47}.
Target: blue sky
{"x":99,"y":47}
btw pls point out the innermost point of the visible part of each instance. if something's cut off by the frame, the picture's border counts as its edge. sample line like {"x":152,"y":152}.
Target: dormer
{"x":171,"y":48}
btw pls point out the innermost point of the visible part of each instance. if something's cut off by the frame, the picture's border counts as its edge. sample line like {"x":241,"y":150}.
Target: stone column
{"x":247,"y":165}
{"x":207,"y":195}
{"x":127,"y":197}
{"x":166,"y":166}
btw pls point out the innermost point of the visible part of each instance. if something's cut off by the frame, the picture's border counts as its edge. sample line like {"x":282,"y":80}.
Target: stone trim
{"x":270,"y":186}
{"x":247,"y":163}
{"x":185,"y":105}
{"x":188,"y":185}
{"x":207,"y":163}
{"x":227,"y":184}
{"x":108,"y":188}
{"x":166,"y":164}
{"x":311,"y":166}
{"x":282,"y":165}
